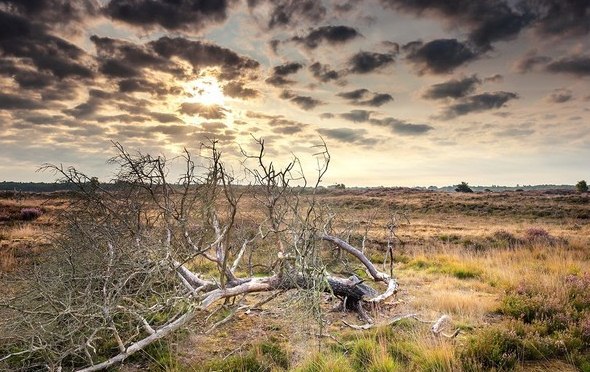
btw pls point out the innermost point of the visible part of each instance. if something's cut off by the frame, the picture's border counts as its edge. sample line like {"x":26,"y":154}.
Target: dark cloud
{"x":487,"y":21}
{"x":185,"y":15}
{"x":348,"y":135}
{"x":206,"y":111}
{"x":278,"y":78}
{"x":287,"y":69}
{"x":237,"y":89}
{"x":326,"y":115}
{"x":392,"y":46}
{"x":274,"y":45}
{"x":42,"y":119}
{"x":411,"y":129}
{"x":53,"y":12}
{"x":259,"y":115}
{"x":401,"y":127}
{"x":141,"y":85}
{"x":439,"y":56}
{"x":365,"y":62}
{"x":304,"y":102}
{"x":378,"y":99}
{"x":560,"y":96}
{"x":285,"y":126}
{"x":13,"y":102}
{"x":20,"y":38}
{"x":85,"y":110}
{"x":346,"y":6}
{"x":578,"y":65}
{"x":364,"y":97}
{"x":116,"y":68}
{"x":123,"y":59}
{"x":515,"y":132}
{"x":496,"y":78}
{"x":213,"y":126}
{"x":490,"y":21}
{"x":25,"y":77}
{"x":453,"y":88}
{"x":354,"y":95}
{"x":163,"y":117}
{"x":357,"y":116}
{"x":288,"y":12}
{"x":279,"y":81}
{"x":203,"y":54}
{"x":323,"y":73}
{"x":328,"y":34}
{"x":530,"y":62}
{"x":478,"y":103}
{"x":122,"y":118}
{"x":562,"y":18}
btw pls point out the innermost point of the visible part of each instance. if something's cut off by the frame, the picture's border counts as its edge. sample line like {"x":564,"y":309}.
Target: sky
{"x":403,"y":92}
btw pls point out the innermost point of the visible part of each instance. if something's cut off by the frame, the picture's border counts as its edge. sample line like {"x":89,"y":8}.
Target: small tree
{"x":463,"y":187}
{"x":582,"y":186}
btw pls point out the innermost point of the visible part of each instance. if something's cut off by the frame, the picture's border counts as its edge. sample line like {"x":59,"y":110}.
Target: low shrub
{"x":492,"y":348}
{"x":30,"y":214}
{"x":538,"y":235}
{"x":505,"y":239}
{"x":543,"y":323}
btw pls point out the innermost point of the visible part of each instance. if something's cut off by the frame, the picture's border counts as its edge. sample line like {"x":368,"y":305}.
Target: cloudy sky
{"x":404,"y":92}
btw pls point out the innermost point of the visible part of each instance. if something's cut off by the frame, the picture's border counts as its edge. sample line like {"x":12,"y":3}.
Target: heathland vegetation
{"x":482,"y":281}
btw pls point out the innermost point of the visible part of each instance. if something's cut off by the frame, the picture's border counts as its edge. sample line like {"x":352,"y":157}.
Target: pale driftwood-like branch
{"x":440,"y":323}
{"x":139,"y":345}
{"x":192,"y":278}
{"x":371,"y":325}
{"x":238,"y":258}
{"x":391,"y":289}
{"x":254,"y":285}
{"x":437,"y":325}
{"x":376,"y":274}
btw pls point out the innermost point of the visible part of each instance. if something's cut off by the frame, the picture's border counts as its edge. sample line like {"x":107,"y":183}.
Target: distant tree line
{"x":36,"y":186}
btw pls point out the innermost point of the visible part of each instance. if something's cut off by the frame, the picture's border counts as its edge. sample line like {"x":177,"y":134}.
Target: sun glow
{"x":206,"y":90}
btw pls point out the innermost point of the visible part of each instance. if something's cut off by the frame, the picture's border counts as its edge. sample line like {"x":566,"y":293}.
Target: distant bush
{"x":538,"y":235}
{"x":505,"y":239}
{"x":582,"y":186}
{"x":30,"y":214}
{"x":463,"y":187}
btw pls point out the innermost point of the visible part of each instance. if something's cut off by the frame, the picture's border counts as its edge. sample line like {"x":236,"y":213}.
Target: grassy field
{"x":511,"y":270}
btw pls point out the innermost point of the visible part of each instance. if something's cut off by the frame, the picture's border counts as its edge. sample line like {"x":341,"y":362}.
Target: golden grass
{"x":26,"y":231}
{"x":441,"y":273}
{"x":7,"y":260}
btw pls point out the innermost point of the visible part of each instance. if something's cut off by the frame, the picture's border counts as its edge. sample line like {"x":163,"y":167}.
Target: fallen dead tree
{"x":140,"y":260}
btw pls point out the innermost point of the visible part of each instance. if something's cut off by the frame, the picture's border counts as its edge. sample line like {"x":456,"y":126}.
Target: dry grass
{"x":451,"y":263}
